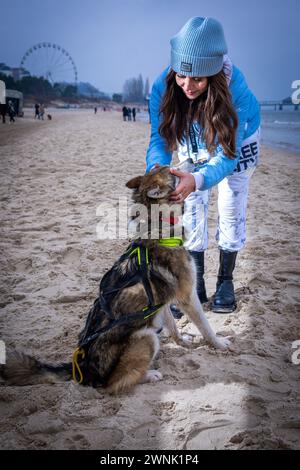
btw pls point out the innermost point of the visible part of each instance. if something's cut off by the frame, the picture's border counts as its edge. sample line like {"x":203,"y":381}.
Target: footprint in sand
{"x":96,"y":438}
{"x":70,"y":256}
{"x":24,"y":266}
{"x":192,"y":364}
{"x":164,"y":410}
{"x":291,"y":276}
{"x":209,"y":436}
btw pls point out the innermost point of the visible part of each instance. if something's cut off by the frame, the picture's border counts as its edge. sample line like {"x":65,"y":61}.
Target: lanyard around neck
{"x":192,"y":138}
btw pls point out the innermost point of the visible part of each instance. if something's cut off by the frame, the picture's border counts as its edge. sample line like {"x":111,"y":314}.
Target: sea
{"x":281,"y":128}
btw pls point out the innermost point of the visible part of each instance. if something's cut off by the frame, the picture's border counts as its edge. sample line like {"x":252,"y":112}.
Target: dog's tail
{"x":22,"y":369}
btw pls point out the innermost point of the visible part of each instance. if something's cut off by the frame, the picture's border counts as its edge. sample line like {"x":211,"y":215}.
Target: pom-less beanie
{"x":198,"y":49}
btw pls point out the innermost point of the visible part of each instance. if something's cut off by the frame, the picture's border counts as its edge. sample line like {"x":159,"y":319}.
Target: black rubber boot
{"x":176,"y":312}
{"x":224,"y":299}
{"x":198,"y":257}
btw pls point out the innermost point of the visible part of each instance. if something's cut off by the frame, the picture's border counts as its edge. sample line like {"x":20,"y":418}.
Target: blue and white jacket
{"x":220,"y":166}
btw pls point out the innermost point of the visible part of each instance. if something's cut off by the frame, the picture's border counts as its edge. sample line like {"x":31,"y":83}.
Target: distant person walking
{"x":133,"y":114}
{"x":11,"y":111}
{"x":125,"y":113}
{"x":129,"y":114}
{"x":95,"y":109}
{"x":3,"y":109}
{"x":41,"y":112}
{"x":37,"y":111}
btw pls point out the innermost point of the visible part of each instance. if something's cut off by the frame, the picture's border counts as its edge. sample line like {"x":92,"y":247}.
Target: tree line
{"x":39,"y":87}
{"x":134,"y":90}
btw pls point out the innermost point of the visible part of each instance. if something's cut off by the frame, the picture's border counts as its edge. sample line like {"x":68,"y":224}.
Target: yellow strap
{"x":152,"y":313}
{"x":138,"y":251}
{"x":170,"y":242}
{"x":75,"y":365}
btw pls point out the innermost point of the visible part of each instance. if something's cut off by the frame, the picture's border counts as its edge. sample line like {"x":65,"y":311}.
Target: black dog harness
{"x":111,"y":284}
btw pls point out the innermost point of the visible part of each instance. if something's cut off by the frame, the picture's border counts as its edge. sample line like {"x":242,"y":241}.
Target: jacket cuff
{"x":199,"y":180}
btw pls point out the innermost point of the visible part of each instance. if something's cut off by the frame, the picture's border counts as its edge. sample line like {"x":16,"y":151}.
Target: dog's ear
{"x":157,"y":192}
{"x":135,"y":182}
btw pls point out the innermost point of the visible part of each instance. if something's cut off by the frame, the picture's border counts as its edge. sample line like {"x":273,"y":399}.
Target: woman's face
{"x":192,"y":87}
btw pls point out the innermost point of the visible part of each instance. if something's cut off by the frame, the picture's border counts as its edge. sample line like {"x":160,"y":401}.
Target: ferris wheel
{"x":51,"y":62}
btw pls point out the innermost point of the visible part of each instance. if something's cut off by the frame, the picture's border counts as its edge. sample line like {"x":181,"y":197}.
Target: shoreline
{"x":29,"y":118}
{"x":281,"y":147}
{"x":281,"y":128}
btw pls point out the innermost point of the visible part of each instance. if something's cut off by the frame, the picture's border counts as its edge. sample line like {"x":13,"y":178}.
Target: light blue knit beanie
{"x":198,"y":49}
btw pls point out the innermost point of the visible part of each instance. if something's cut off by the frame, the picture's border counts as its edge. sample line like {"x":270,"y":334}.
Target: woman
{"x":202,"y":107}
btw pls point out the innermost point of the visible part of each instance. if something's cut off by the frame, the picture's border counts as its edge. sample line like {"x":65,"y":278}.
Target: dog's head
{"x":152,"y":191}
{"x":154,"y":187}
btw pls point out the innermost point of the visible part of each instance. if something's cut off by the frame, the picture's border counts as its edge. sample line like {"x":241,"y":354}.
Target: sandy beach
{"x":54,"y":175}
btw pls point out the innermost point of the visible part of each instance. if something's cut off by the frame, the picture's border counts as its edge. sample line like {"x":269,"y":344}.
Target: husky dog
{"x":120,"y":339}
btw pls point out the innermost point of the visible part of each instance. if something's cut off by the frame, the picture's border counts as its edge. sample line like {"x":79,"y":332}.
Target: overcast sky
{"x":113,"y":40}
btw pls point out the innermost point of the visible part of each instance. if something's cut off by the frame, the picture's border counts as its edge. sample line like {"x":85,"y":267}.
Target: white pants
{"x":232,"y":205}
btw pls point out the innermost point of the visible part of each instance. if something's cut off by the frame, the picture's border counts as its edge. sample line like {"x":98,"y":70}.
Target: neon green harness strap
{"x":150,"y":310}
{"x":170,"y":242}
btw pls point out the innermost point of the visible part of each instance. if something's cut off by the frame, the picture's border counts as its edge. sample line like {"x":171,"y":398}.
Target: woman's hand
{"x":186,"y":185}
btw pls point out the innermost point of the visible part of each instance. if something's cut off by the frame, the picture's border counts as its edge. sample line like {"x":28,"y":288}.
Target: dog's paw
{"x":152,"y":376}
{"x":188,"y":340}
{"x":222,"y":343}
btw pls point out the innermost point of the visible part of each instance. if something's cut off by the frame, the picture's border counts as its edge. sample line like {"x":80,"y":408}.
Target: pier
{"x":279,"y":104}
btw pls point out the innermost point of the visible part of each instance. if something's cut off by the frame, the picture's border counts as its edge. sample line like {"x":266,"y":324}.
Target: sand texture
{"x":54,"y":175}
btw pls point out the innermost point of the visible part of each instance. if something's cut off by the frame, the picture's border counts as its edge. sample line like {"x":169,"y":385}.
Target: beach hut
{"x":17,"y":98}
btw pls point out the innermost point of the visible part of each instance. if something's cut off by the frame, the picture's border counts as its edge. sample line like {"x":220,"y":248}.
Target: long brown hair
{"x":213,"y":110}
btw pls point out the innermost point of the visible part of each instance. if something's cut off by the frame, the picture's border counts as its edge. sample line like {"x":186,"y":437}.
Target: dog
{"x":49,"y":116}
{"x":120,"y":339}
